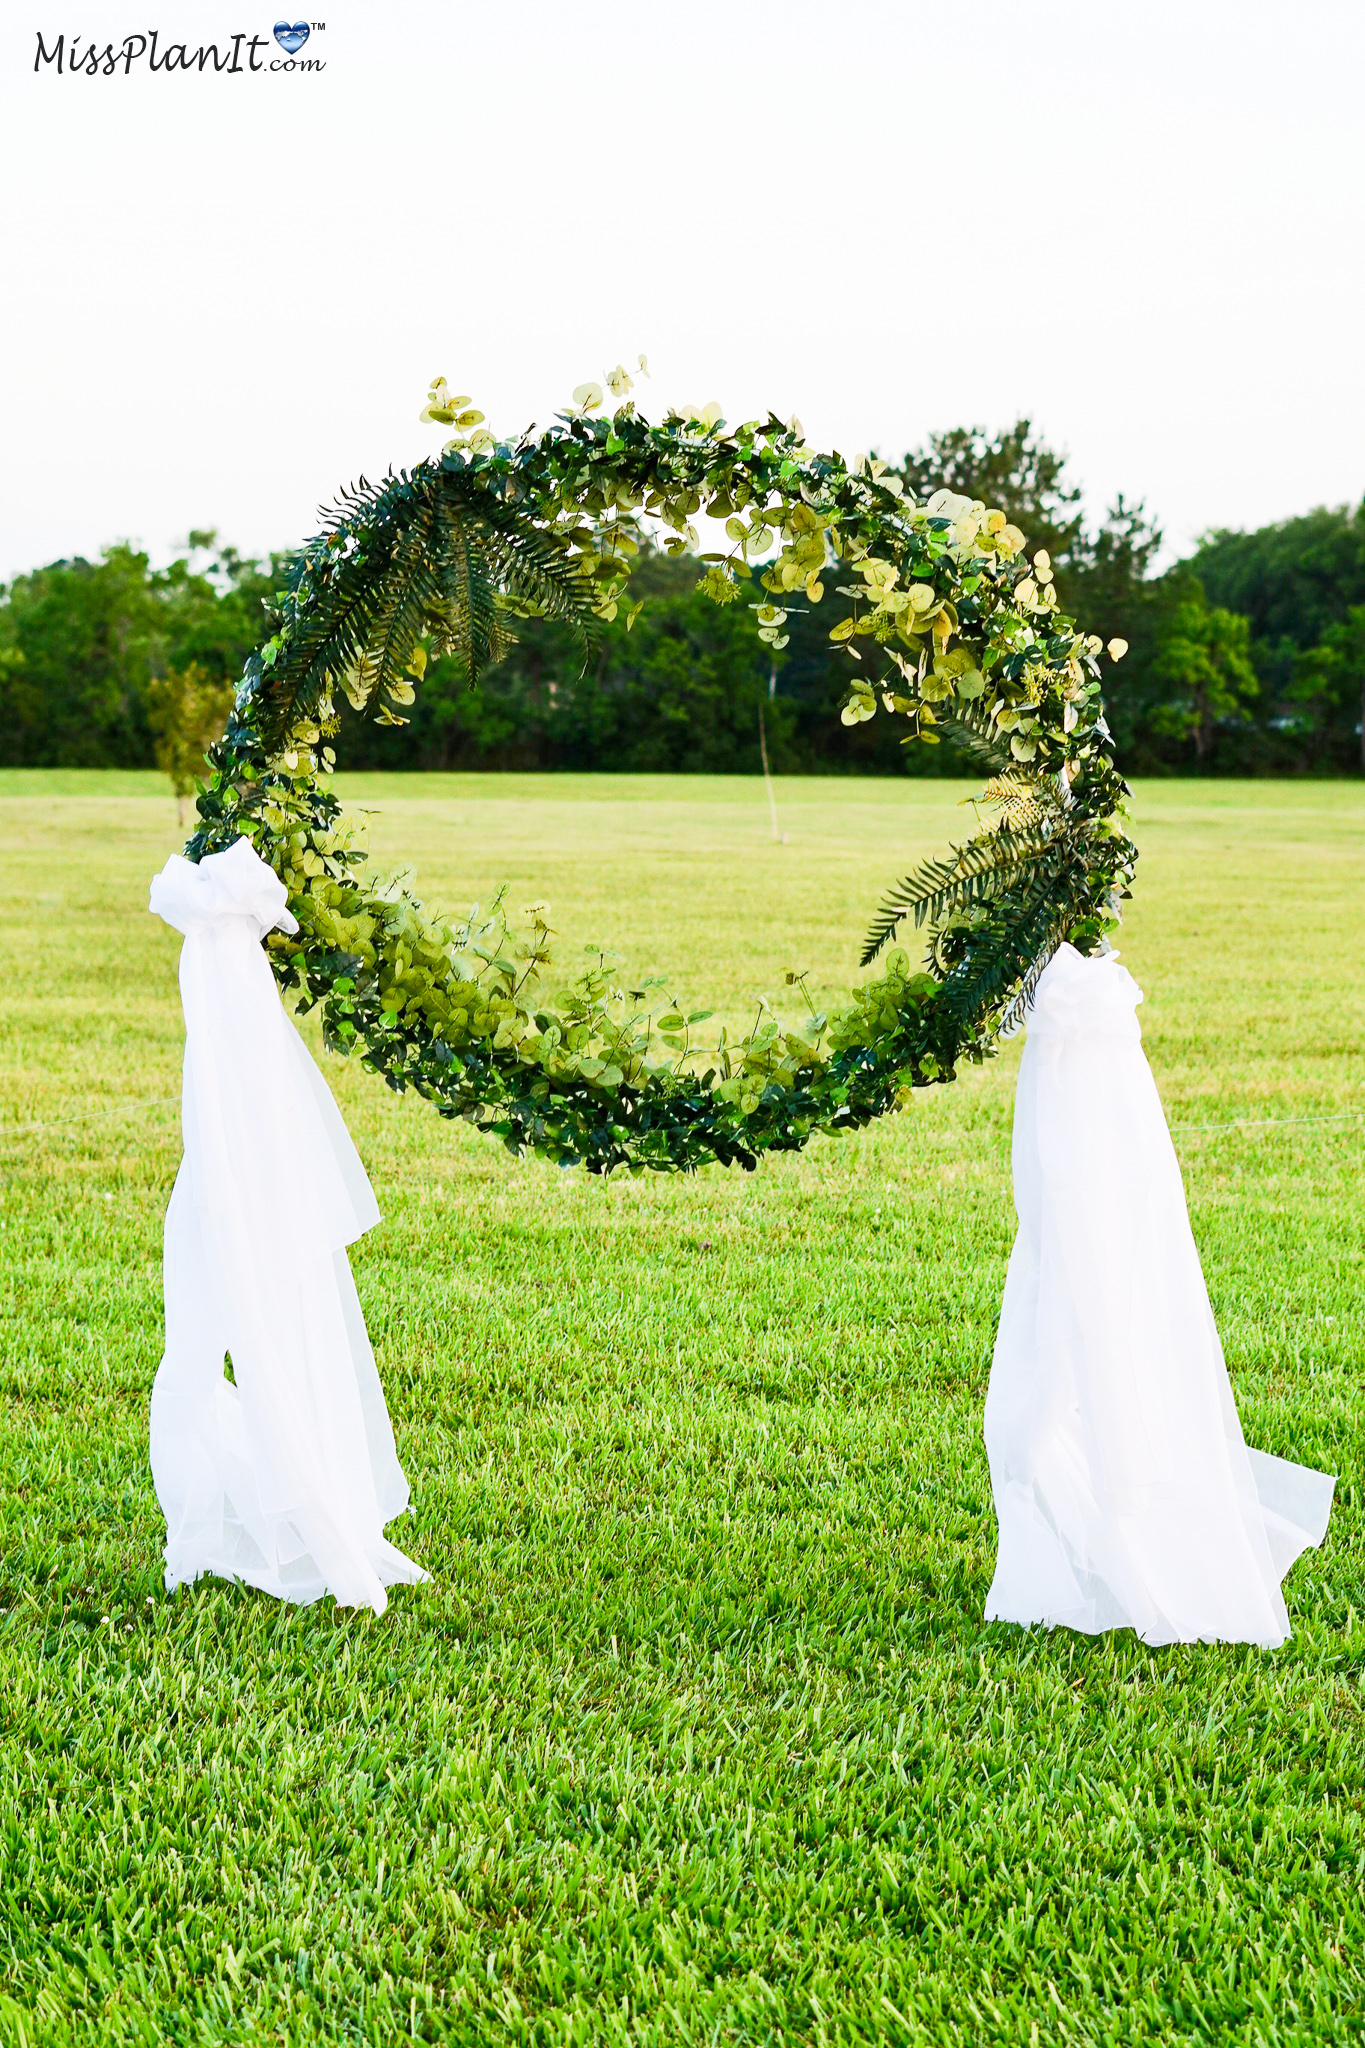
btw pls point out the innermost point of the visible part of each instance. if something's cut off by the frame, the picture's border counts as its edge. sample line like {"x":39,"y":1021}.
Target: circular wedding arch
{"x":948,"y":625}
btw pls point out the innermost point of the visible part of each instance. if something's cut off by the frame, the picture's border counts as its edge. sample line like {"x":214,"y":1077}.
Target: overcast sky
{"x":1139,"y":224}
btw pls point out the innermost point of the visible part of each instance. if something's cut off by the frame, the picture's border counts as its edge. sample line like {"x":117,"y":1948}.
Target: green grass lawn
{"x":697,"y":1735}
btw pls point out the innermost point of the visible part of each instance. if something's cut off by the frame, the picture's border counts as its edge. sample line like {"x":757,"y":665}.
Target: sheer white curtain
{"x":1125,"y":1492}
{"x":287,"y":1477}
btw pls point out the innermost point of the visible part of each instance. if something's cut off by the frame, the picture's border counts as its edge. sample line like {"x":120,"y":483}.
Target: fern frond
{"x":433,"y":552}
{"x":970,"y":876}
{"x":1017,"y":1008}
{"x":403,"y":602}
{"x":474,"y":629}
{"x":341,"y":600}
{"x":537,"y":573}
{"x":994,"y":968}
{"x":1021,"y":800}
{"x":1003,"y":959}
{"x":972,"y":729}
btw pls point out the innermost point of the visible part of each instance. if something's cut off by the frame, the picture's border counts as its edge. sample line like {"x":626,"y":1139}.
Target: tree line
{"x":1245,"y":658}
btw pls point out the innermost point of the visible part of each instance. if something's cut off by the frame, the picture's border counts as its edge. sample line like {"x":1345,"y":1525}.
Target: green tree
{"x":1328,"y":681}
{"x":83,"y":640}
{"x":215,"y":602}
{"x":1297,"y":581}
{"x":1204,"y":657}
{"x":88,"y":635}
{"x":187,"y":710}
{"x":1292,"y":580}
{"x":83,"y":643}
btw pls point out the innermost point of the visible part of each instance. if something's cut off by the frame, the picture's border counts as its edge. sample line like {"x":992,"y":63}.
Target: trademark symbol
{"x":318,"y":27}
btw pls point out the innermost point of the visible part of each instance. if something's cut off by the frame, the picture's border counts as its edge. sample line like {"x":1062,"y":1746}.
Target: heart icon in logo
{"x":291,"y":39}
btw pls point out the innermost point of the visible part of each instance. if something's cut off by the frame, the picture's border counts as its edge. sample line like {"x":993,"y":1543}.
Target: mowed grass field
{"x":697,"y":1735}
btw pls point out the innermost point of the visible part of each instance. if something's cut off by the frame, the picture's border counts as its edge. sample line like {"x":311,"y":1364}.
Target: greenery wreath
{"x":441,"y":559}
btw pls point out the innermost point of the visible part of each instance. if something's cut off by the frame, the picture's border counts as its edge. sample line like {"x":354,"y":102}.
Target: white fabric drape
{"x":287,"y":1478}
{"x":1124,"y":1489}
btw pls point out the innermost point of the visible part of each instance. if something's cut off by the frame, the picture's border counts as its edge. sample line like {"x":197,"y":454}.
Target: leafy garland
{"x":441,"y":559}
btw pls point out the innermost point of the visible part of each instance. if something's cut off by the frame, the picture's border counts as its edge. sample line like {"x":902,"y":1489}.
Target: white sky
{"x":1141,"y":224}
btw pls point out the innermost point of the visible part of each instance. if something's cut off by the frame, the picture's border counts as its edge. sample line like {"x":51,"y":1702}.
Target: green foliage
{"x":944,"y":625}
{"x":84,"y":639}
{"x":1295,"y":584}
{"x":1279,"y":693}
{"x":679,"y":689}
{"x":951,"y":892}
{"x":81,"y":642}
{"x":73,"y":675}
{"x":1327,"y":682}
{"x":1104,"y":573}
{"x":429,"y":563}
{"x":1291,"y":580}
{"x":1204,"y":656}
{"x":186,"y":710}
{"x":1298,"y":584}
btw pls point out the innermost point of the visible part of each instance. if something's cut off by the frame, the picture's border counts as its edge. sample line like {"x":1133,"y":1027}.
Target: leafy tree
{"x":1292,"y":580}
{"x":1328,"y":681}
{"x":1298,"y":582}
{"x":1205,"y":658}
{"x":84,"y":640}
{"x":87,"y":636}
{"x":215,"y":601}
{"x":1112,"y":569}
{"x":186,"y":710}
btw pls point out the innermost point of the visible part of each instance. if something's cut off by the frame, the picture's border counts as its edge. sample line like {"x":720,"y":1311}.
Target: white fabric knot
{"x":1080,"y":997}
{"x":237,"y":883}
